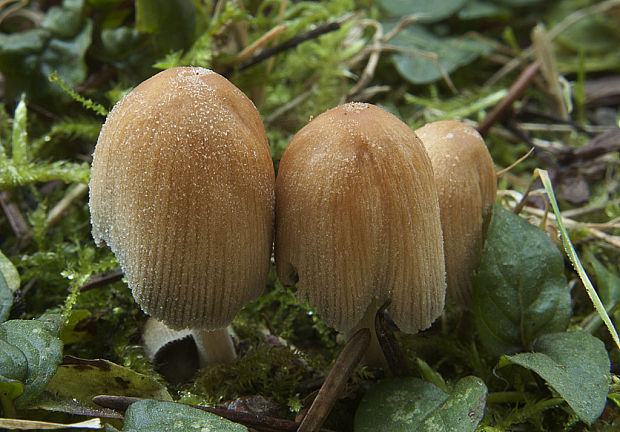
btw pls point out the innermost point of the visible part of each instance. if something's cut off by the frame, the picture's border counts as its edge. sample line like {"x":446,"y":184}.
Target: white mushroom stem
{"x":215,"y":346}
{"x":374,"y":356}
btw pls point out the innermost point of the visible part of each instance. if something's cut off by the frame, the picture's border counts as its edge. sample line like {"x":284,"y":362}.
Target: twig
{"x":291,"y":43}
{"x":56,"y":212}
{"x":375,"y":49}
{"x":102,"y":279}
{"x":566,"y":127}
{"x":588,"y":210}
{"x":261,"y":41}
{"x":515,"y":163}
{"x":287,"y":107}
{"x":548,"y":68}
{"x":515,"y":92}
{"x":14,"y":216}
{"x":347,"y":360}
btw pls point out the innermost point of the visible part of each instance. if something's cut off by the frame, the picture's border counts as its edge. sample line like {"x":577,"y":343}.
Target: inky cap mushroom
{"x":182,"y":190}
{"x":467,"y":185}
{"x":357,"y":218}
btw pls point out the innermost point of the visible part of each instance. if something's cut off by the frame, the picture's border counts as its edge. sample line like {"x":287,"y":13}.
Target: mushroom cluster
{"x":366,"y":210}
{"x":357,"y":219}
{"x":182,"y":190}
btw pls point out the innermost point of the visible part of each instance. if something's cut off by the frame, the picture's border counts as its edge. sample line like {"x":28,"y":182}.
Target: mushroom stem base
{"x":215,"y":346}
{"x":374,"y":356}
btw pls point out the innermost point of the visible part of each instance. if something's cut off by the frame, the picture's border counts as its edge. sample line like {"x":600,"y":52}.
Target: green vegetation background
{"x":64,"y":64}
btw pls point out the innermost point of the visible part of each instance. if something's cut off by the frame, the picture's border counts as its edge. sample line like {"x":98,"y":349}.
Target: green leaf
{"x":477,"y":9}
{"x":13,"y":363}
{"x":594,"y":33}
{"x":153,"y":416}
{"x":428,"y":11}
{"x":174,"y":23}
{"x":9,"y":283}
{"x":22,"y":44}
{"x":64,"y":21}
{"x":41,"y":350}
{"x":520,"y":291}
{"x":6,"y":298}
{"x":19,"y":139}
{"x":410,"y":404}
{"x":27,"y":58}
{"x":10,"y":273}
{"x":425,"y":55}
{"x":80,"y":380}
{"x":10,"y":389}
{"x":576,"y":365}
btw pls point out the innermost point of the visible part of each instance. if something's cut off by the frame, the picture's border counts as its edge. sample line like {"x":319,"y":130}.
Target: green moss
{"x":274,"y":372}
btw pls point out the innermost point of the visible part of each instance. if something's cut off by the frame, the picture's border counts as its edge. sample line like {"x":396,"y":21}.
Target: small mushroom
{"x":357,"y":220}
{"x":467,"y":185}
{"x":182,"y":190}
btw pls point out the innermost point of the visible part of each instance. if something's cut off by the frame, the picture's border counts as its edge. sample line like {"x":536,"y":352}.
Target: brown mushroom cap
{"x":182,"y":190}
{"x":357,"y":217}
{"x":467,"y":185}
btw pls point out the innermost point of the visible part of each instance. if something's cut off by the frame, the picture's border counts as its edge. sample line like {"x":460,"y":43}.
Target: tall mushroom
{"x":467,"y":185}
{"x":182,"y":190}
{"x":357,"y":219}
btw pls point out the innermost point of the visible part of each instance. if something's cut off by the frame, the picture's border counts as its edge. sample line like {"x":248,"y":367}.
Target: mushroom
{"x":357,"y":220}
{"x":182,"y":190}
{"x":466,"y":184}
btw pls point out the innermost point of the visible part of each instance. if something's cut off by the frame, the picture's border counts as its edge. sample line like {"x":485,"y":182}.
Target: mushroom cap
{"x":357,"y":218}
{"x":182,"y":190}
{"x":466,"y":184}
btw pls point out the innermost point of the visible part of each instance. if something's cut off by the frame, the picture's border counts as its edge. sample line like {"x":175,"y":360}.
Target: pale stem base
{"x":215,"y":346}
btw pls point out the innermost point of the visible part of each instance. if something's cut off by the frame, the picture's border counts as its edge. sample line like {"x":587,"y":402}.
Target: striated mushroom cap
{"x":357,"y":218}
{"x":467,"y":185}
{"x":182,"y":190}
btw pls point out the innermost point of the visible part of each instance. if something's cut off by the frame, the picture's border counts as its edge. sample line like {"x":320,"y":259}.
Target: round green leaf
{"x":41,"y":350}
{"x":13,"y":363}
{"x":410,"y":404}
{"x":425,"y":55}
{"x":153,"y":416}
{"x":576,"y":365}
{"x":520,"y":291}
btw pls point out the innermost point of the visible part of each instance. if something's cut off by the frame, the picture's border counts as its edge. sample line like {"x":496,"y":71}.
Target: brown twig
{"x":515,"y":92}
{"x":288,"y":44}
{"x":102,"y":279}
{"x":14,"y":216}
{"x":347,"y":360}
